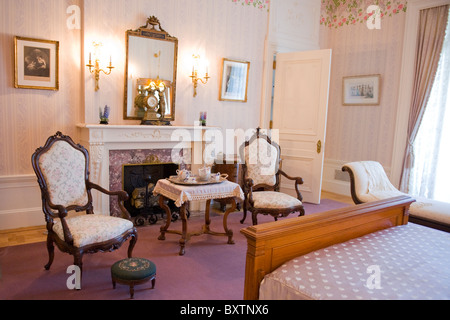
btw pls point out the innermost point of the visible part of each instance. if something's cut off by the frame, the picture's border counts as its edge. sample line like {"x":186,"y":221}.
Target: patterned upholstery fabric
{"x":261,"y":158}
{"x":274,"y":200}
{"x":92,"y":228}
{"x":63,"y":168}
{"x":133,"y":269}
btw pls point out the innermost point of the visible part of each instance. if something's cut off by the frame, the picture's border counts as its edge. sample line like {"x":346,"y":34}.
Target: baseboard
{"x":331,"y":181}
{"x":336,"y":181}
{"x":21,"y":218}
{"x":20,"y":202}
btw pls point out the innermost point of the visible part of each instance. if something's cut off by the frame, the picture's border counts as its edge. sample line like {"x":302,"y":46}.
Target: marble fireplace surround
{"x":110,"y":145}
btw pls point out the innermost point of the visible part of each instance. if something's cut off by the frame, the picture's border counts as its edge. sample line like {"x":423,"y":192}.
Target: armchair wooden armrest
{"x":248,"y":189}
{"x":298,"y":180}
{"x":62,"y":214}
{"x":122,"y":196}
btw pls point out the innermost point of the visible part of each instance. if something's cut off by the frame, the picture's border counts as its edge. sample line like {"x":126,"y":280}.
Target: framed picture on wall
{"x":36,"y":63}
{"x":234,"y":81}
{"x":361,"y":90}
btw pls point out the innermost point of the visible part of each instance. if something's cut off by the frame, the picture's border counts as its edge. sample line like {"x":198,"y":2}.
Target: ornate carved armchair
{"x":62,"y":170}
{"x":262,"y":175}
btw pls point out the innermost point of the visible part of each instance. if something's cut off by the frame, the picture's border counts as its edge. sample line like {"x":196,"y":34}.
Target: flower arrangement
{"x":337,"y":13}
{"x":104,"y":115}
{"x":260,"y":4}
{"x":203,"y":118}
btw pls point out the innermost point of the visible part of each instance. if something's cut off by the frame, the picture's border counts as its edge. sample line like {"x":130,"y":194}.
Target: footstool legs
{"x":131,"y":291}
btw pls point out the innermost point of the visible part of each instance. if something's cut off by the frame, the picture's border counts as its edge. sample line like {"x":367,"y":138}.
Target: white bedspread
{"x":403,"y":262}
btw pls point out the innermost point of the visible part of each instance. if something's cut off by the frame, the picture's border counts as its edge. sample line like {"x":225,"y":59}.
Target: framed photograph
{"x":36,"y":63}
{"x":361,"y":90}
{"x":234,"y":81}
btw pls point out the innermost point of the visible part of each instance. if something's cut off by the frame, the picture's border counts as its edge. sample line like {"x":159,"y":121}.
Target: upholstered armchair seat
{"x":93,"y":228}
{"x":369,"y":182}
{"x":274,"y":200}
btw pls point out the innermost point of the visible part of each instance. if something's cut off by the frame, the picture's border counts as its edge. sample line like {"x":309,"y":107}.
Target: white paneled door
{"x":300,"y":114}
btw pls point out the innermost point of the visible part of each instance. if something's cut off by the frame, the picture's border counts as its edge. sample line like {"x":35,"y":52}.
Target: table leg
{"x":162,"y":204}
{"x":207,"y":217}
{"x":184,"y":235}
{"x":229,"y":232}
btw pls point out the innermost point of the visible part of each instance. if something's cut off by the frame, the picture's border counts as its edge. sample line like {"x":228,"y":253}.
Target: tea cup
{"x":217,"y":176}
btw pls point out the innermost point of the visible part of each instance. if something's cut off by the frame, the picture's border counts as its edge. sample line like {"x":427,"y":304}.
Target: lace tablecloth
{"x":181,"y":193}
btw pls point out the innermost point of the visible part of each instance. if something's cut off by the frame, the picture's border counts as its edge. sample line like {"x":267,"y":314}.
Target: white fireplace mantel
{"x":99,"y":140}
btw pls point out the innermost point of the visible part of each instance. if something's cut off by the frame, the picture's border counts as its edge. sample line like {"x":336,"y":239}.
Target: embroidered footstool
{"x":133,"y":271}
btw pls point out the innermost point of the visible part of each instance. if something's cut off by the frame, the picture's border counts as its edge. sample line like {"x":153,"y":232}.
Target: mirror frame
{"x":147,"y":32}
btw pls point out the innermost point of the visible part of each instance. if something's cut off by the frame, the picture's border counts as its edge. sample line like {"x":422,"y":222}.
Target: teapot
{"x":183,"y":174}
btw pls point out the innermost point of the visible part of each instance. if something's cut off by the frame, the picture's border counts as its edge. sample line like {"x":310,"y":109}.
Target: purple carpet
{"x":211,"y":269}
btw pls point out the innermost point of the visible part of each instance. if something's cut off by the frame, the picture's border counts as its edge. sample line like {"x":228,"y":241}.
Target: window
{"x":430,"y":174}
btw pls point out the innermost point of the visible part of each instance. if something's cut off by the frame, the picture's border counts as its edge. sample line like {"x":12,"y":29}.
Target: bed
{"x":366,"y":251}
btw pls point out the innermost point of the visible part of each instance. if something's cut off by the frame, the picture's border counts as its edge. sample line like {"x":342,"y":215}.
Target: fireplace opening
{"x":139,"y":181}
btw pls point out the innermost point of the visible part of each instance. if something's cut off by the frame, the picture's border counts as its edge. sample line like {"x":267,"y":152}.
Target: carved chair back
{"x":262,"y":160}
{"x":61,"y":167}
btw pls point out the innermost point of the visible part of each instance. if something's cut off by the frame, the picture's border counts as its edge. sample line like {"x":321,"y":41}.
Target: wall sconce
{"x":95,"y":68}
{"x":195,"y":68}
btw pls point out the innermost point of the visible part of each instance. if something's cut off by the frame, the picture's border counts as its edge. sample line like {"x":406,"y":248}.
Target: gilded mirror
{"x":150,"y":74}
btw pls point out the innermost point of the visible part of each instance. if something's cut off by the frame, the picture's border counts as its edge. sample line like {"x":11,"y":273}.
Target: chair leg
{"x":51,"y":252}
{"x":78,"y":261}
{"x":254,"y":219}
{"x":132,"y":244}
{"x":244,"y":216}
{"x":244,"y":209}
{"x":302,"y":212}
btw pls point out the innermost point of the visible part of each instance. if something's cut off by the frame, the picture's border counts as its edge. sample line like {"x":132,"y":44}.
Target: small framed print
{"x":36,"y":63}
{"x":234,"y":81}
{"x":361,"y":90}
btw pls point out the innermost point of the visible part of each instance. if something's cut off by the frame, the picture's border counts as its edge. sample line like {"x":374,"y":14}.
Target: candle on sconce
{"x":90,"y":58}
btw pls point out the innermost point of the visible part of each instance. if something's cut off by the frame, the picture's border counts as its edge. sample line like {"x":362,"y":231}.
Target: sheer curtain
{"x":430,"y":174}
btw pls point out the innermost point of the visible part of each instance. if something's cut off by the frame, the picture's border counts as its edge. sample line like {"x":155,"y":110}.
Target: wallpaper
{"x":27,"y":116}
{"x":214,"y":29}
{"x":364,"y":132}
{"x":338,"y":13}
{"x":259,"y":4}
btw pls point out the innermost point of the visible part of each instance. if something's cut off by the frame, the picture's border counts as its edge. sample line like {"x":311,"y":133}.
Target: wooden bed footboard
{"x":271,"y":244}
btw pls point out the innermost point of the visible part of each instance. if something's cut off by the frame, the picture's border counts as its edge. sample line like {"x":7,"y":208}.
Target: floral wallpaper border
{"x":259,"y":4}
{"x":338,"y":13}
